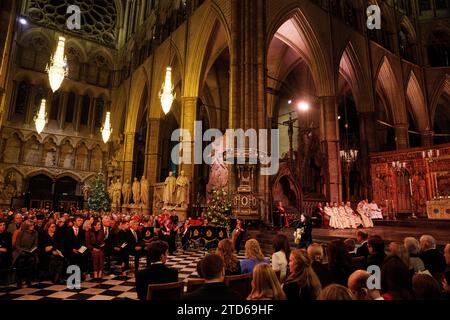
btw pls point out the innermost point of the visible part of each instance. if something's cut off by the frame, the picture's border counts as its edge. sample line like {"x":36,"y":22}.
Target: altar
{"x":439,"y":209}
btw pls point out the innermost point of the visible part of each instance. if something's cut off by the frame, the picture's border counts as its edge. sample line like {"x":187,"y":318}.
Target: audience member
{"x":5,"y":248}
{"x":376,"y":252}
{"x":281,"y":255}
{"x":357,"y":283}
{"x":447,"y":256}
{"x":395,"y":279}
{"x":302,"y":284}
{"x":412,"y":247}
{"x":95,"y":242}
{"x":316,"y":255}
{"x":362,"y":239}
{"x":15,"y":224}
{"x":336,"y":292}
{"x":25,"y":254}
{"x":339,"y":262}
{"x":157,"y":272}
{"x":351,"y":247}
{"x":398,"y":249}
{"x":225,"y":249}
{"x":446,"y":286}
{"x":213,"y":269}
{"x":253,"y":256}
{"x":425,"y":287}
{"x":265,"y":284}
{"x":433,"y":260}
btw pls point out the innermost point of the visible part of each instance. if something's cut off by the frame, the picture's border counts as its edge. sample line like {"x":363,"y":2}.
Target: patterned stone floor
{"x":111,"y":287}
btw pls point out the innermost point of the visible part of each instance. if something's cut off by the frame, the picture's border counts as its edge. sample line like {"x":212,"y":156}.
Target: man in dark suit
{"x":135,"y":244}
{"x":108,"y":249}
{"x":157,"y":272}
{"x":75,"y":243}
{"x":363,"y":250}
{"x":432,"y":258}
{"x":377,"y":254}
{"x":213,"y":270}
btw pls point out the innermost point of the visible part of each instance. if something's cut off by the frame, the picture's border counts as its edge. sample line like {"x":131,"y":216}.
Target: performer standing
{"x":282,"y":215}
{"x":185,"y":235}
{"x":237,"y":235}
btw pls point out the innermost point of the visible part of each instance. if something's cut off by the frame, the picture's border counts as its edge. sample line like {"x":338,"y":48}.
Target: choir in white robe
{"x":375,"y":211}
{"x":345,"y":221}
{"x":364,"y":212}
{"x":334,"y":219}
{"x":354,"y":218}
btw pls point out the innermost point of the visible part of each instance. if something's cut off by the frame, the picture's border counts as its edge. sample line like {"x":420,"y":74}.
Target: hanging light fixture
{"x":167,"y":95}
{"x":107,"y":130}
{"x":41,"y":118}
{"x":57,"y":69}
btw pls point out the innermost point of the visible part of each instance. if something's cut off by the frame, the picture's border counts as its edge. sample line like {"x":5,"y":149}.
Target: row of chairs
{"x":175,"y":290}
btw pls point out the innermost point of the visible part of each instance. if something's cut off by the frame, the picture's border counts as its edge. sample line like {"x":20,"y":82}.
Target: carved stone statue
{"x":182,"y":190}
{"x":111,"y":190}
{"x":66,"y":156}
{"x":136,"y":188}
{"x":126,"y":192}
{"x":144,"y":191}
{"x":117,"y":193}
{"x":218,"y":174}
{"x":169,"y":189}
{"x":86,"y":190}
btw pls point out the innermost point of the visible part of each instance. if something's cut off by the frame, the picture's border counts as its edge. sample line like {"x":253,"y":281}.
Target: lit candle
{"x":423,"y":154}
{"x":410,"y":187}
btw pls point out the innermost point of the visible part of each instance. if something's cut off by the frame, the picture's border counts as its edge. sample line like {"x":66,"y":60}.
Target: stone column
{"x":427,"y":139}
{"x":152,"y":156}
{"x":188,"y":117}
{"x":91,"y":121}
{"x":128,"y":156}
{"x":401,"y":136}
{"x":331,"y":148}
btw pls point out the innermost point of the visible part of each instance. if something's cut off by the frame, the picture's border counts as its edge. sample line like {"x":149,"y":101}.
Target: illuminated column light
{"x":167,"y":95}
{"x":41,"y":117}
{"x":57,"y":69}
{"x":107,"y":130}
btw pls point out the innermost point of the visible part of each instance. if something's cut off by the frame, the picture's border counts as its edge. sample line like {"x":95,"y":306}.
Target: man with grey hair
{"x":433,"y":260}
{"x":412,"y":246}
{"x":357,"y":283}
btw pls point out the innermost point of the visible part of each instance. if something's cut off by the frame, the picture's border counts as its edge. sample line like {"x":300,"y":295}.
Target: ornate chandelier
{"x":41,"y":118}
{"x":107,"y":130}
{"x":57,"y":69}
{"x":167,"y":95}
{"x":349,"y":156}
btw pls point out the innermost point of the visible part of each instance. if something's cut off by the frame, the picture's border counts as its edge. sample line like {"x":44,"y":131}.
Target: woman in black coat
{"x":51,"y":260}
{"x":5,"y":250}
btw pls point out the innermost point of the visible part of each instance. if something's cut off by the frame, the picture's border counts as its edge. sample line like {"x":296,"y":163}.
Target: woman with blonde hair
{"x":253,"y":255}
{"x":336,"y":292}
{"x":265,"y":285}
{"x":303,"y":283}
{"x":225,"y":249}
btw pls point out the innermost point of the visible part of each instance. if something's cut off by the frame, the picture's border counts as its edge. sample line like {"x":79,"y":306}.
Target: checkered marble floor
{"x":111,"y":287}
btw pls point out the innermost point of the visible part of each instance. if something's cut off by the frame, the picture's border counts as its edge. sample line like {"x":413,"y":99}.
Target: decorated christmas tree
{"x":219,"y":208}
{"x":99,"y":199}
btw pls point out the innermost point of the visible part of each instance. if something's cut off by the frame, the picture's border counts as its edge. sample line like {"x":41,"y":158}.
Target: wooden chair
{"x":165,"y":291}
{"x":194,"y":284}
{"x":240,"y":283}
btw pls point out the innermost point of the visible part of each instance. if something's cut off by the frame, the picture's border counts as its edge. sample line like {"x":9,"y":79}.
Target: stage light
{"x":303,"y":106}
{"x":23,"y":21}
{"x":290,"y":101}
